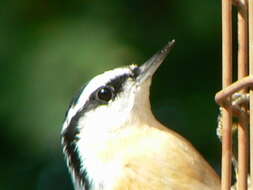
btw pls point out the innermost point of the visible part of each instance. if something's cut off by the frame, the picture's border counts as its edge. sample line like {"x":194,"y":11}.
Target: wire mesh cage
{"x":236,"y":96}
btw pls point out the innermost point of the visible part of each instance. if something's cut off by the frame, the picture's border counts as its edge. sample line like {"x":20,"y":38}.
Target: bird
{"x":112,"y":141}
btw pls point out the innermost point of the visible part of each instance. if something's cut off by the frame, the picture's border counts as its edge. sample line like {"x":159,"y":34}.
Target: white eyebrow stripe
{"x":95,"y":83}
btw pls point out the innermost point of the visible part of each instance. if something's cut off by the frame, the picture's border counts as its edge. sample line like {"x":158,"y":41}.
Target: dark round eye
{"x":105,"y":94}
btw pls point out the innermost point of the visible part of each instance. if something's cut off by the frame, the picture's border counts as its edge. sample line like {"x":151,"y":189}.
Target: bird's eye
{"x":105,"y":94}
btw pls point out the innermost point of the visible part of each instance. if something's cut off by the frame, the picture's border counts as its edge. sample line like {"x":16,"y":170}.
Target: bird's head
{"x":108,"y":102}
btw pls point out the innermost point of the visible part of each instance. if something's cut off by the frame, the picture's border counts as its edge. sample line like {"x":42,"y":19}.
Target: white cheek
{"x":96,"y":127}
{"x":106,"y":118}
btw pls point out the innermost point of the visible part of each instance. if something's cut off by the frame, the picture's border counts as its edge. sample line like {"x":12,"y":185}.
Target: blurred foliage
{"x":49,"y":48}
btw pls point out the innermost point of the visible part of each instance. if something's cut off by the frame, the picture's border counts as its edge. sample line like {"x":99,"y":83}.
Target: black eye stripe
{"x":118,"y":83}
{"x":70,"y":139}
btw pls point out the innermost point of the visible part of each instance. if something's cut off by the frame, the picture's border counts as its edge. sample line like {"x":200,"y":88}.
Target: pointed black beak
{"x":147,"y":70}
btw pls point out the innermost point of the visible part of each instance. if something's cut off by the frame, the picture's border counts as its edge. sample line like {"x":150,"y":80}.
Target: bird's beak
{"x":147,"y":70}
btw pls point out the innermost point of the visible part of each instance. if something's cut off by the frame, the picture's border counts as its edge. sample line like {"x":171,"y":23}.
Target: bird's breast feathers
{"x":145,"y":159}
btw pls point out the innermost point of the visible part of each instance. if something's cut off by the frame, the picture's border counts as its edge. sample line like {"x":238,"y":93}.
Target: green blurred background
{"x":49,"y":48}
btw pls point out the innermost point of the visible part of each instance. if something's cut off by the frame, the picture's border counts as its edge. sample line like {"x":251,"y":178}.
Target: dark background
{"x":49,"y":48}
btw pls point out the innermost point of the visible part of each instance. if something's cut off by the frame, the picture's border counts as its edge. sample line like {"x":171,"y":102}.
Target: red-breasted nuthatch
{"x":112,"y":141}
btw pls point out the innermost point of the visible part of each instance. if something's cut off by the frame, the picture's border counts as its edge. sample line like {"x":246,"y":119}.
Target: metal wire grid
{"x":243,"y":85}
